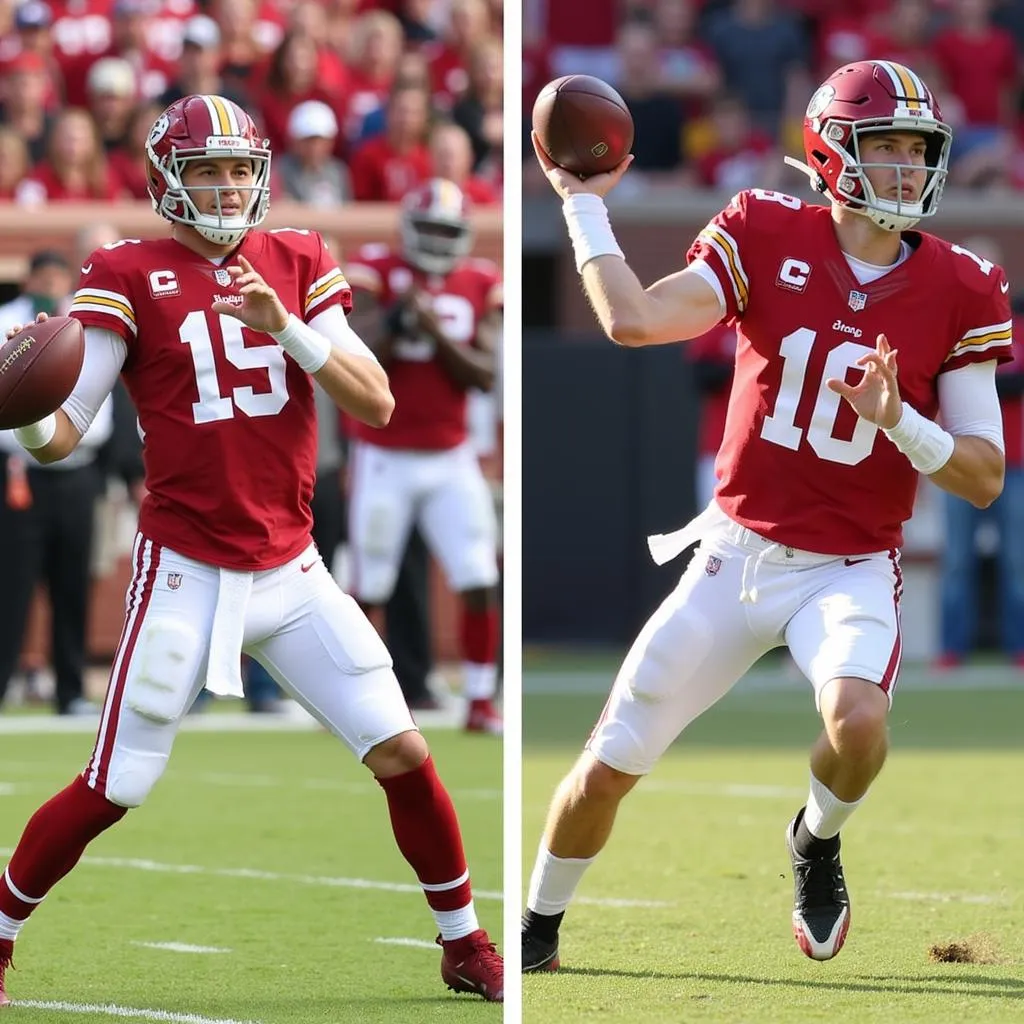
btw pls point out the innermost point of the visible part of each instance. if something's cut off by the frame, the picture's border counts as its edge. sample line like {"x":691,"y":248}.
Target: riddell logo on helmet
{"x":226,"y":142}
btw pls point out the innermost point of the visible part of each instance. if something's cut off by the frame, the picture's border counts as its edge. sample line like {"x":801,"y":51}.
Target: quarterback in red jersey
{"x":854,"y":332}
{"x":444,"y":311}
{"x":218,"y":331}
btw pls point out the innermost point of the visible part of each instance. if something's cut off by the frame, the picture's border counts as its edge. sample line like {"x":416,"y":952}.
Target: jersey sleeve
{"x":103,"y":298}
{"x":365,"y":271}
{"x":720,"y":247}
{"x":328,"y":286}
{"x":986,"y":325}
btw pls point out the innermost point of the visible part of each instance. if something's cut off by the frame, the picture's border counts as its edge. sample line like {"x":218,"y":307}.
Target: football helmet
{"x":873,"y":96}
{"x":436,"y":232}
{"x":201,"y":128}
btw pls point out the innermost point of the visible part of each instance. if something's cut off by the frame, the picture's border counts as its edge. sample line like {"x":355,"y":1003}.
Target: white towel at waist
{"x":666,"y":546}
{"x":223,"y":672}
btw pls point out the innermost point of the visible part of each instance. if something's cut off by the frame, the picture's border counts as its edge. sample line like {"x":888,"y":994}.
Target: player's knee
{"x":397,"y":755}
{"x":132,"y":776}
{"x":859,"y":729}
{"x":594,"y":781}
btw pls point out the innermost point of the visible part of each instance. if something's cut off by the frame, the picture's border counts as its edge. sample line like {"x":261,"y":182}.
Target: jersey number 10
{"x":780,"y":427}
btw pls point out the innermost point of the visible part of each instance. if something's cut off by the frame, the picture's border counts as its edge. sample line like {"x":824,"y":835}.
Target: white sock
{"x":479,"y":681}
{"x":826,"y":813}
{"x":455,"y":924}
{"x":554,"y":881}
{"x":9,"y":927}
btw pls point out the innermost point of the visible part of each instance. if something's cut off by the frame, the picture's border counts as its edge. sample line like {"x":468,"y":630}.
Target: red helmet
{"x":204,"y":127}
{"x":873,"y":96}
{"x":436,"y":232}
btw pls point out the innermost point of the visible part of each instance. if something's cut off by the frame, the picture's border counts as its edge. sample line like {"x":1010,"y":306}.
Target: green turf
{"x":288,"y":803}
{"x":934,"y":855}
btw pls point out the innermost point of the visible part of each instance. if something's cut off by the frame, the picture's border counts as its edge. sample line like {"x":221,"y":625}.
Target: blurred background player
{"x":437,"y":340}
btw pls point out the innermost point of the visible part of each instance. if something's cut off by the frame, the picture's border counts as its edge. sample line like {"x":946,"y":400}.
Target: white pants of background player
{"x":838,"y":616}
{"x":311,"y":637}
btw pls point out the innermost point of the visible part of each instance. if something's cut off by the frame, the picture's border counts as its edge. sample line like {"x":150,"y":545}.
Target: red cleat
{"x":6,"y":955}
{"x":472,"y":964}
{"x":484,"y":717}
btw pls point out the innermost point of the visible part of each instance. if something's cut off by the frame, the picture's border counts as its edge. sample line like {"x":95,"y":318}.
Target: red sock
{"x":53,"y":840}
{"x":427,"y":832}
{"x":478,"y":635}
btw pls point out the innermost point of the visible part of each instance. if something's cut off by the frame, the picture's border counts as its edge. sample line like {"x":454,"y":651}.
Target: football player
{"x":854,"y":332}
{"x":218,"y":331}
{"x":443,"y":315}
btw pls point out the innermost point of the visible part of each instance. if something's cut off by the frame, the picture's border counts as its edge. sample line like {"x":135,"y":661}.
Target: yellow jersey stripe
{"x":334,"y":279}
{"x":100,"y":300}
{"x":711,"y":233}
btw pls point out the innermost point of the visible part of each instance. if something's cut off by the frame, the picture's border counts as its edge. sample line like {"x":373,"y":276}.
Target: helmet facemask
{"x":177,"y":204}
{"x":434,"y":244}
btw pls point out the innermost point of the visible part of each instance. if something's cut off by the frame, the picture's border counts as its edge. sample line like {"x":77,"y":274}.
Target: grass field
{"x":934,"y":855}
{"x":273,"y":848}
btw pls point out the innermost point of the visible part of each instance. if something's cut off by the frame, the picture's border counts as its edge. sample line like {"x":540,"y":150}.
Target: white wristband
{"x":923,"y":441}
{"x":589,"y":230}
{"x":37,"y":435}
{"x":309,"y":348}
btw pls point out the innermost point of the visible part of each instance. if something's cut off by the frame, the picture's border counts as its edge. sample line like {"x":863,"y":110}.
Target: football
{"x":583,"y":124}
{"x":39,"y":367}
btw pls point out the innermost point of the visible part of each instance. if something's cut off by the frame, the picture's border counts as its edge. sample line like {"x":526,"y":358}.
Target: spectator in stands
{"x":386,"y":167}
{"x":198,"y":70}
{"x":110,"y":87}
{"x":763,"y":54}
{"x":688,"y":66}
{"x":243,"y":60}
{"x":342,"y":16}
{"x":657,"y":115}
{"x":979,"y":63}
{"x":959,"y":556}
{"x":46,"y":519}
{"x":74,"y":169}
{"x":309,"y":18}
{"x":480,"y":109}
{"x":468,"y":29}
{"x":416,"y":17}
{"x":451,"y":153}
{"x":307,"y":171}
{"x":411,"y":71}
{"x":14,"y":161}
{"x":23,"y":100}
{"x":128,"y":161}
{"x":372,"y":55}
{"x":33,"y":23}
{"x":291,"y":80}
{"x":741,"y":156}
{"x":903,"y":33}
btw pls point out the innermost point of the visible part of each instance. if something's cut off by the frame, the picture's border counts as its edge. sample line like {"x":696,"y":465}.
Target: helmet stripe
{"x":905,"y":82}
{"x":222,"y":115}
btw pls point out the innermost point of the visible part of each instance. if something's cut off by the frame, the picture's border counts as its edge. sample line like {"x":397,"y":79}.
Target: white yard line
{"x":182,"y":947}
{"x":946,"y":897}
{"x":230,"y":779}
{"x":7,"y":788}
{"x":136,"y":864}
{"x":418,"y":943}
{"x":731,"y":789}
{"x":129,"y":1012}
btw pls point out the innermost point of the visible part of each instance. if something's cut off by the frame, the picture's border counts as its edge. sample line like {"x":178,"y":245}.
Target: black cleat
{"x":538,"y":954}
{"x":821,"y":904}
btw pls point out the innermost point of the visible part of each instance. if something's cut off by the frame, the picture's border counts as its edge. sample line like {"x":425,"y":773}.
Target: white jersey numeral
{"x":195,"y":332}
{"x":985,"y":266}
{"x":780,"y":427}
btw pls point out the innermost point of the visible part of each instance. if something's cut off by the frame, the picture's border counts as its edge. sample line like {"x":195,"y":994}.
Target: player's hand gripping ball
{"x":583,"y":124}
{"x":39,"y":367}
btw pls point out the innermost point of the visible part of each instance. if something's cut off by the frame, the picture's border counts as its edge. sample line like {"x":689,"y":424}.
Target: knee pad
{"x":132,"y":775}
{"x":163,"y":670}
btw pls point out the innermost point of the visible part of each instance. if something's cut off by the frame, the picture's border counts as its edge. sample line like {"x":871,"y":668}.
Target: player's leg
{"x":847,"y":641}
{"x":157,"y":671}
{"x":460,"y":526}
{"x":328,"y":656}
{"x":380,"y":518}
{"x":689,"y":654}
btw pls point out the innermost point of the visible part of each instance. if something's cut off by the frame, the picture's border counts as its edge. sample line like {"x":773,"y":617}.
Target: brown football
{"x":583,"y":124}
{"x":39,"y":367}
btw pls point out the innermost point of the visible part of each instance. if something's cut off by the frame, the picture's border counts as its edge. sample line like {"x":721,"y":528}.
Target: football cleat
{"x":539,"y":954}
{"x":821,"y":904}
{"x":472,"y":964}
{"x":483,"y":716}
{"x":6,"y":956}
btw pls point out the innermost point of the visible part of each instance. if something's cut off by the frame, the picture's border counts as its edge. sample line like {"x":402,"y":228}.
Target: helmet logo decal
{"x":836,"y":132}
{"x":820,"y":100}
{"x":160,"y":128}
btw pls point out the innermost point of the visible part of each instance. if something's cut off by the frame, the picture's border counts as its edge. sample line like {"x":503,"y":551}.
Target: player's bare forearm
{"x":358,"y":386}
{"x":61,"y":445}
{"x":974,"y":471}
{"x":468,"y":366}
{"x":676,"y":308}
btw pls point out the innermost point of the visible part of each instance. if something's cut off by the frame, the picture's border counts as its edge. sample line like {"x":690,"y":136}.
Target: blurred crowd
{"x":361,"y":99}
{"x":718,"y":88}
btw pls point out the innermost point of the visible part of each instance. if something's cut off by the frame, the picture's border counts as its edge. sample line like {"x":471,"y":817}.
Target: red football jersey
{"x":797,"y":464}
{"x":228,"y":418}
{"x":430,"y":408}
{"x":380,"y":175}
